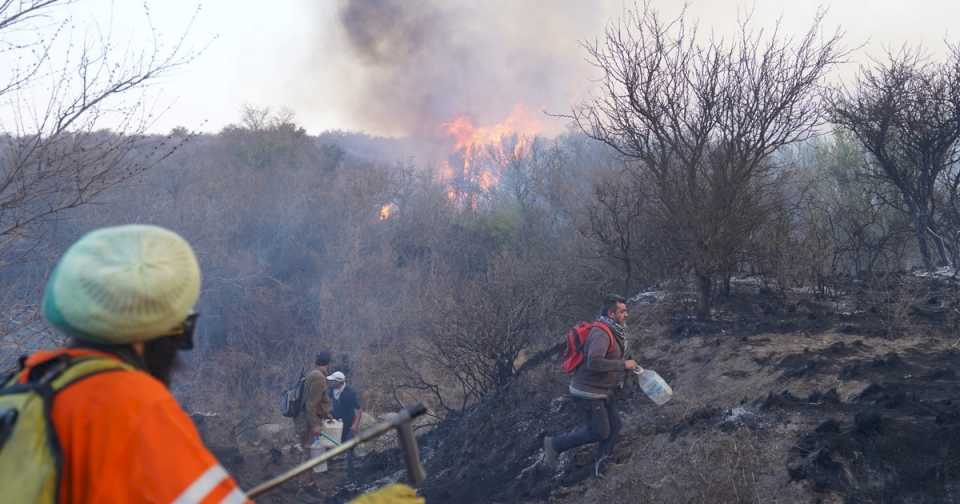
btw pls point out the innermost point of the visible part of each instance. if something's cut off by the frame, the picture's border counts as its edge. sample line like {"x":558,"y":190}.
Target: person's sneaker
{"x":549,"y":453}
{"x":600,"y":466}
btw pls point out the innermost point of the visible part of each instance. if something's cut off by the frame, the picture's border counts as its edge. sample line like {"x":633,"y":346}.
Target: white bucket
{"x":656,"y":388}
{"x":317,"y":449}
{"x":332,"y":430}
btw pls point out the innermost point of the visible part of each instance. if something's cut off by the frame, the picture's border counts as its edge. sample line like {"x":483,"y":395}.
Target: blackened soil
{"x":492,"y":453}
{"x":896,"y":441}
{"x":828,"y":360}
{"x":881,"y":423}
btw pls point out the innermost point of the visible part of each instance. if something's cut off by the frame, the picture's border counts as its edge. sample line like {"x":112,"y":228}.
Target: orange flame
{"x":387,"y":210}
{"x":483,"y":152}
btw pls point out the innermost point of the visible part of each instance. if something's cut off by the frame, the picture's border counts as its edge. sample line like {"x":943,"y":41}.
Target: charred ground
{"x":779,"y":399}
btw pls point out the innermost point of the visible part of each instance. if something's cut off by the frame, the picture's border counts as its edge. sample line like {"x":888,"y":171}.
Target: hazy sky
{"x":399,"y":66}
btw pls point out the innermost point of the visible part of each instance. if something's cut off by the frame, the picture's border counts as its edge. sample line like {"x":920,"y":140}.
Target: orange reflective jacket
{"x":124,"y":438}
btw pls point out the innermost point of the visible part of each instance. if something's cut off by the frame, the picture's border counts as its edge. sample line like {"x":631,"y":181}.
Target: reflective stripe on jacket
{"x":124,"y":438}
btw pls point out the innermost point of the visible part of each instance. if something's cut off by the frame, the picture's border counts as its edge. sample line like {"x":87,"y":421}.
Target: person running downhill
{"x":593,"y":387}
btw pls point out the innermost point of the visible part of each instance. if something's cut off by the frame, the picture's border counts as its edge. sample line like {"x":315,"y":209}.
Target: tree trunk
{"x":943,"y":256}
{"x":705,"y":284}
{"x":920,"y":228}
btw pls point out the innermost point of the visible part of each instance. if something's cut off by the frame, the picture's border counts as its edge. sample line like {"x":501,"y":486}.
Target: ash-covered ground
{"x":778,"y":399}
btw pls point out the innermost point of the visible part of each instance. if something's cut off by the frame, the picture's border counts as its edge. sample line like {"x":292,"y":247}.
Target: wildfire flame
{"x":480,"y":153}
{"x":387,"y":210}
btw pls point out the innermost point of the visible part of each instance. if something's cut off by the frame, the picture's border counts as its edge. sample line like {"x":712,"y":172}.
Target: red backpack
{"x":576,"y":339}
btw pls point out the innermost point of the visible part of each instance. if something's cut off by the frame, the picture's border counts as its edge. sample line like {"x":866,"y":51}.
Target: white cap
{"x":338,"y":376}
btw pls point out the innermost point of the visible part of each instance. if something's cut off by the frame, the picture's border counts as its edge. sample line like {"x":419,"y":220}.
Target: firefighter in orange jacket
{"x":127,"y":293}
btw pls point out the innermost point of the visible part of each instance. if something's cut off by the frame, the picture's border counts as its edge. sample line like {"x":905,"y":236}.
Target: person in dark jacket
{"x":593,"y":385}
{"x":346,"y":408}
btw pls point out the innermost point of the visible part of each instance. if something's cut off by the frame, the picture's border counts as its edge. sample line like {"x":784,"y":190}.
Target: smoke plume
{"x":410,"y":65}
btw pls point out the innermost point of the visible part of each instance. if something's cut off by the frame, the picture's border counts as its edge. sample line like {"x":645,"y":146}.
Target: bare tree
{"x":836,"y":226}
{"x":614,"y":216}
{"x":55,"y":153}
{"x":905,"y":111}
{"x":701,"y":120}
{"x":948,"y":220}
{"x":474,"y":330}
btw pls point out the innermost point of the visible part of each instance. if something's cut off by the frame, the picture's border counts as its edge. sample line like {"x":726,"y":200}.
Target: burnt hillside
{"x":774,"y":402}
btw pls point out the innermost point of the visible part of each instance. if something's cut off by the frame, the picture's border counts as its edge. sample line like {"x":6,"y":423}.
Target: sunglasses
{"x":186,"y":332}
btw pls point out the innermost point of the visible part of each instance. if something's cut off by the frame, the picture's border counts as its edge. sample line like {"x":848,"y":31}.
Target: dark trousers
{"x":602,"y":425}
{"x":347,"y":436}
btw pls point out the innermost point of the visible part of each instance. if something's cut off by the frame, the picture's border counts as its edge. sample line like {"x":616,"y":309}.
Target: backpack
{"x":291,"y":400}
{"x":576,"y":339}
{"x":30,"y":453}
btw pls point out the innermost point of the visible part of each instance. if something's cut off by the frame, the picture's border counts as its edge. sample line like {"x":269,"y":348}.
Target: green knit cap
{"x":123,"y":284}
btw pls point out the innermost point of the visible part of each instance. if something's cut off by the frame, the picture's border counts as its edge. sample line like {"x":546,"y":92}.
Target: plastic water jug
{"x":654,"y":386}
{"x":332,"y":430}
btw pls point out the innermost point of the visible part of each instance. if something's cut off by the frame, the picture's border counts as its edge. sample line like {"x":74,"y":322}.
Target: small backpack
{"x":576,"y":339}
{"x":30,"y":453}
{"x":291,"y":400}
